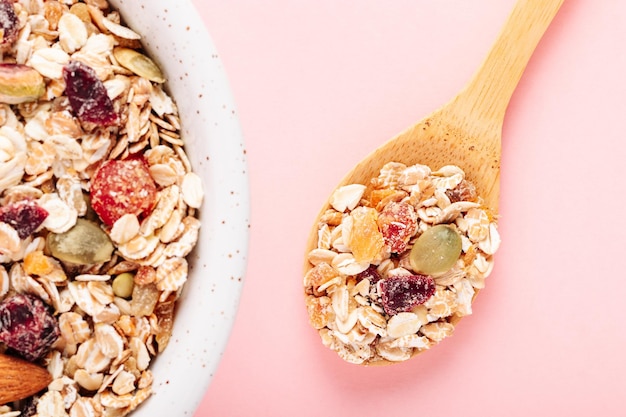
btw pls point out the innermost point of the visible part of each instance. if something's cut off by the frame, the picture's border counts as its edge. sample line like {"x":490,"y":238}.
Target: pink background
{"x":321,"y":83}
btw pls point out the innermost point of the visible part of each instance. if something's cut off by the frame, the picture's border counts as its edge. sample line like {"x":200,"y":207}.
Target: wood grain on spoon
{"x":467,"y":131}
{"x":20,"y":379}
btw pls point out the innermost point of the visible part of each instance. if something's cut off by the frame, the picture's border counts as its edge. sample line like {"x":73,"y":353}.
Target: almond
{"x":20,"y":379}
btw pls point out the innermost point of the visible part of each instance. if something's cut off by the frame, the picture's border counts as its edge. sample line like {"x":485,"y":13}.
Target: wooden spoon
{"x":467,"y":131}
{"x":20,"y":379}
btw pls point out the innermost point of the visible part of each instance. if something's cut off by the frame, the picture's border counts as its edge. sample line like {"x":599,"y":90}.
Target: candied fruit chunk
{"x":36,"y":263}
{"x":122,"y":187}
{"x":84,"y":244}
{"x":24,"y":216}
{"x":319,"y":275}
{"x":365,"y":239}
{"x":164,"y":313}
{"x":403,"y":292}
{"x":27,"y":327}
{"x":9,"y":28}
{"x":436,"y":250}
{"x":465,"y":191}
{"x":320,"y":311}
{"x":87,"y":95}
{"x":397,"y":222}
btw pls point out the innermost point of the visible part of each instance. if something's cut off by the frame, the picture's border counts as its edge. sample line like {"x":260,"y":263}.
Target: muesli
{"x":398,"y":262}
{"x":98,"y":206}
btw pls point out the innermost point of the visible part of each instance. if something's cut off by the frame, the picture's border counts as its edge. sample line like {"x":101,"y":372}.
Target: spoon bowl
{"x":467,"y":131}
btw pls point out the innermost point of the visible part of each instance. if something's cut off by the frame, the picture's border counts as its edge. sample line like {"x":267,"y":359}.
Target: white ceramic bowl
{"x":174,"y":36}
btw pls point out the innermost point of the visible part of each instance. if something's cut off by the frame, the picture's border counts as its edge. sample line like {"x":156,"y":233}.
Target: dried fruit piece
{"x":122,"y":187}
{"x":397,"y":222}
{"x":465,"y":191}
{"x":36,"y":263}
{"x":9,"y":29}
{"x":87,"y":95}
{"x":83,"y":244}
{"x":403,"y":292}
{"x":27,"y":326}
{"x":165,"y":320}
{"x":436,"y":250}
{"x":24,"y":216}
{"x":20,"y":83}
{"x":365,"y":240}
{"x":371,"y":273}
{"x":139,"y":64}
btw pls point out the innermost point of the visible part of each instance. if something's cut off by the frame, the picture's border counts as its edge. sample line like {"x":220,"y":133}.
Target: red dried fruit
{"x":24,"y":216}
{"x":122,"y":187}
{"x":87,"y":95}
{"x":397,"y":222}
{"x":402,"y":293}
{"x":371,"y":273}
{"x":8,"y":24}
{"x":465,"y":191}
{"x":27,"y":327}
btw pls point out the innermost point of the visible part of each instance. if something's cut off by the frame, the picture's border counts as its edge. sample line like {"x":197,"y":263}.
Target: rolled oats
{"x":49,"y":155}
{"x":400,"y":310}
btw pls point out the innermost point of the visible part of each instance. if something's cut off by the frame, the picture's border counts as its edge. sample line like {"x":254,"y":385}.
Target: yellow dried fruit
{"x":365,"y":240}
{"x":36,"y":263}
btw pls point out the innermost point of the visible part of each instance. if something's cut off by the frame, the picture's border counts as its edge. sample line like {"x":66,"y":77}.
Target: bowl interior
{"x":174,"y":36}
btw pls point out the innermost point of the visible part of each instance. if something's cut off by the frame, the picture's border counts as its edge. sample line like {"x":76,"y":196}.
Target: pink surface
{"x":319,"y":84}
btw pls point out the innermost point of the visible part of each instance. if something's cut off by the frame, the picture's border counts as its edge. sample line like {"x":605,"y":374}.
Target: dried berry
{"x":465,"y":191}
{"x":27,"y":327}
{"x":24,"y":216}
{"x":397,"y":222}
{"x":8,"y":24}
{"x":87,"y":95}
{"x":371,"y":273}
{"x":402,"y":293}
{"x":122,"y":187}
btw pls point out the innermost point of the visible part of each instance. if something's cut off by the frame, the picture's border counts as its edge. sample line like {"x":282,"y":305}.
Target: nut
{"x":20,"y":84}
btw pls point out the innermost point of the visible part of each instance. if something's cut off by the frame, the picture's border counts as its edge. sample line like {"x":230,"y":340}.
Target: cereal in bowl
{"x":98,"y":206}
{"x":397,"y":262}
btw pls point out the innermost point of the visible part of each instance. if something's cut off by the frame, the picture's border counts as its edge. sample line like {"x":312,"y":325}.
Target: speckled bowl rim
{"x":174,"y":35}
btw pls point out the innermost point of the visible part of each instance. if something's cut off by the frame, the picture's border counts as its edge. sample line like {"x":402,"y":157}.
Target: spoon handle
{"x":488,"y":93}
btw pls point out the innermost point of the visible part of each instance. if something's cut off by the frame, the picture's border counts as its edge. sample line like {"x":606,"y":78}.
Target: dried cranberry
{"x":397,"y":222}
{"x":370,"y":273}
{"x":27,"y":327}
{"x":122,"y":187}
{"x":87,"y":95}
{"x":8,"y":24}
{"x":24,"y":216}
{"x":402,"y":293}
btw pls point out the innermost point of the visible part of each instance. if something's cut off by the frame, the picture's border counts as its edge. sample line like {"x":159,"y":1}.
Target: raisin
{"x":9,"y":29}
{"x":397,"y":222}
{"x":24,"y":216}
{"x":122,"y":187}
{"x":27,"y":327}
{"x":87,"y":95}
{"x":465,"y":191}
{"x":402,"y":293}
